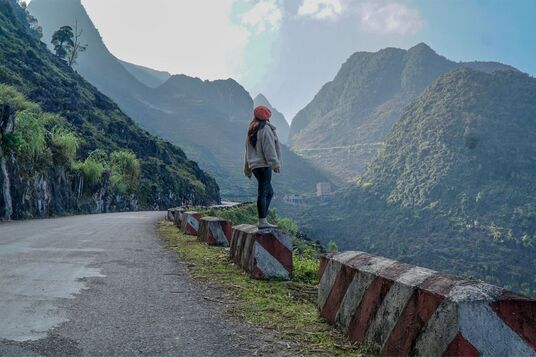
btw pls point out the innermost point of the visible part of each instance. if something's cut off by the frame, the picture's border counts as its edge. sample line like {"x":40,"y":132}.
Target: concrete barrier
{"x":399,"y":309}
{"x":215,"y":231}
{"x":177,"y":216}
{"x":171,"y":214}
{"x":190,"y":222}
{"x":265,"y":254}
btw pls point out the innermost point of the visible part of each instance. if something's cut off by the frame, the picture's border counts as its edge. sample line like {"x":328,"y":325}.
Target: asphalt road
{"x":105,"y":285}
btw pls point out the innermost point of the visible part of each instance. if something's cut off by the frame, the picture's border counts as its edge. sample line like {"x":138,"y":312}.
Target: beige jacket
{"x":267,"y":152}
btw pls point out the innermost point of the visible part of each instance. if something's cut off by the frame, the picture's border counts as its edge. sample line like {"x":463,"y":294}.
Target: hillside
{"x":354,"y":112}
{"x":278,"y":119}
{"x":208,"y":119}
{"x":454,"y":187}
{"x":56,"y":102}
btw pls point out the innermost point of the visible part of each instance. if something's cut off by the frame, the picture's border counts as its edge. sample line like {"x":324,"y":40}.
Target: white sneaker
{"x":263,"y":224}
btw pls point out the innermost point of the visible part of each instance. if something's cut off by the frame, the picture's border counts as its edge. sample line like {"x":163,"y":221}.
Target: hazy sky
{"x":287,"y":49}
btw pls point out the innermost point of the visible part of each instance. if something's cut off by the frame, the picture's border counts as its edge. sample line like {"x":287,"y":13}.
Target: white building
{"x":323,"y":189}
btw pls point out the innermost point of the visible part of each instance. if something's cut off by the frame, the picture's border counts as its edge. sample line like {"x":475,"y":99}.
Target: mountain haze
{"x":351,"y":115}
{"x":208,"y":119}
{"x":453,"y":189}
{"x":148,"y":76}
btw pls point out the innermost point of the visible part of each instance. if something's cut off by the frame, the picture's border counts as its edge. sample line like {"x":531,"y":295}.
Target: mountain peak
{"x":421,"y":48}
{"x":260,"y":99}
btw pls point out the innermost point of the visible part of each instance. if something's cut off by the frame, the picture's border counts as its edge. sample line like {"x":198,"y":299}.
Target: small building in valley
{"x":323,"y":189}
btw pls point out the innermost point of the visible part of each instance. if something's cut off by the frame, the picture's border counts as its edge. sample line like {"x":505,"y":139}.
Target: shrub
{"x":32,"y":135}
{"x":332,"y":247}
{"x":126,"y":164}
{"x":125,"y":170}
{"x":99,"y":155}
{"x":118,"y":183}
{"x":65,"y":142}
{"x":92,"y":170}
{"x":305,"y":269}
{"x":12,"y":97}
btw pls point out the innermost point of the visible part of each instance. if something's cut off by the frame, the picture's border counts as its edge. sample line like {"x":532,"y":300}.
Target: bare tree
{"x":77,"y":47}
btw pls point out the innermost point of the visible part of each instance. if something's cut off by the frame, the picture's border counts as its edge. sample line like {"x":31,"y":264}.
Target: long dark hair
{"x":254,"y":126}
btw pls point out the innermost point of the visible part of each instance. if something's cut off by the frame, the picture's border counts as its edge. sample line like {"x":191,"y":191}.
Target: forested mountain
{"x":278,"y":119}
{"x":67,"y":148}
{"x":345,"y":124}
{"x":208,"y":119}
{"x":454,"y":187}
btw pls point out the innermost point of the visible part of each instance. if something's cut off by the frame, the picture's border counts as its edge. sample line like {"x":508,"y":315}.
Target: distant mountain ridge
{"x":148,"y":76}
{"x":357,"y":109}
{"x":453,"y":189}
{"x":208,"y":119}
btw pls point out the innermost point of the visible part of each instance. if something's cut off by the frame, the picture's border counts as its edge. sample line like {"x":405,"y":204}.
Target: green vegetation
{"x":67,"y":45}
{"x":286,"y":308}
{"x":92,"y":170}
{"x":65,"y":142}
{"x":454,"y":188}
{"x":31,"y":132}
{"x":39,"y":137}
{"x":125,"y":170}
{"x":62,"y":119}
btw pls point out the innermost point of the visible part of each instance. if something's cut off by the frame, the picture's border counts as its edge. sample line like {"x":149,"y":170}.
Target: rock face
{"x":354,"y":112}
{"x":399,"y":309}
{"x":7,"y":123}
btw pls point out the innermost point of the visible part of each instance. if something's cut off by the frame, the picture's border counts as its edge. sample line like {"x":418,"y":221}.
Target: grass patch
{"x":287,"y":308}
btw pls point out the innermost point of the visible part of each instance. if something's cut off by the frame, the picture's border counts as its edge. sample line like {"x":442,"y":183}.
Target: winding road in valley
{"x":104,"y":285}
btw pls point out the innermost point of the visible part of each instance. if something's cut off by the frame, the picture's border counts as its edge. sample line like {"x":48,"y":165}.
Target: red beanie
{"x":262,"y":113}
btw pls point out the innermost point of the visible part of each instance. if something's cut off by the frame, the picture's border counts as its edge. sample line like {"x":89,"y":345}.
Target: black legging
{"x":265,"y":192}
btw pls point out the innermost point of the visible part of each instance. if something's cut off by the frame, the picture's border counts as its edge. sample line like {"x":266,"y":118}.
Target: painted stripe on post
{"x":217,"y":234}
{"x":323,"y":263}
{"x":192,"y":221}
{"x":519,"y":313}
{"x":365,"y":312}
{"x":471,"y":319}
{"x":276,"y":247}
{"x":460,"y":347}
{"x":247,"y":251}
{"x":419,"y":309}
{"x":336,"y":295}
{"x":326,"y":283}
{"x":358,"y":286}
{"x":393,"y":305}
{"x":416,"y":313}
{"x":439,"y":331}
{"x":354,"y":294}
{"x":268,"y":265}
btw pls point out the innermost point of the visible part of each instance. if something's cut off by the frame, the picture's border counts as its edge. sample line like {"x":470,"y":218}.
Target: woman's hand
{"x":277,"y":170}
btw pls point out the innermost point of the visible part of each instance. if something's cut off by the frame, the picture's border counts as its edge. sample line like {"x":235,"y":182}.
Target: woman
{"x":263,"y":154}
